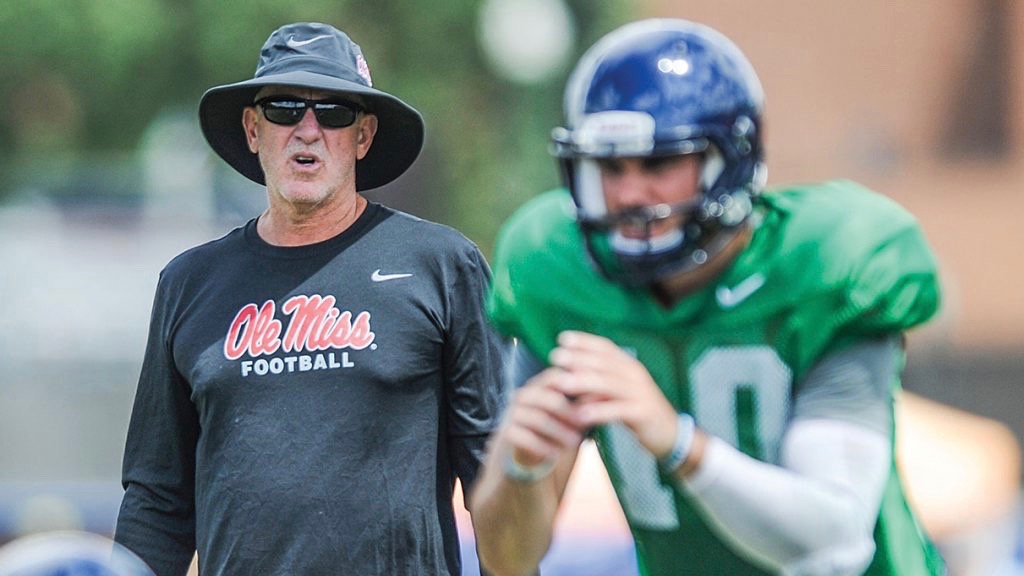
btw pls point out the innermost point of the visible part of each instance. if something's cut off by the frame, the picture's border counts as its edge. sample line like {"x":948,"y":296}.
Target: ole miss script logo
{"x":315,"y":336}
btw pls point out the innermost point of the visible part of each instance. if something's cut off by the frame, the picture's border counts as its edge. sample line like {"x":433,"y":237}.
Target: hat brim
{"x":395,"y":147}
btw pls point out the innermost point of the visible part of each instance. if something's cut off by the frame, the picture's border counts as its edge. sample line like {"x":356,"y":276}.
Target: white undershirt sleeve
{"x":812,"y":516}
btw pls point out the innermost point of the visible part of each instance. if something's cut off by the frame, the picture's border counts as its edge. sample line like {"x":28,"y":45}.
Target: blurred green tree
{"x":82,"y":78}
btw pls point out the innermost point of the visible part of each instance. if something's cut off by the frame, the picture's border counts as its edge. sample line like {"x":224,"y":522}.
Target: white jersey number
{"x":739,"y":394}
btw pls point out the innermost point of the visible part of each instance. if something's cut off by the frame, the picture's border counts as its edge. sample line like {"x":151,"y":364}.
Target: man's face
{"x":307,"y":165}
{"x":630,"y":183}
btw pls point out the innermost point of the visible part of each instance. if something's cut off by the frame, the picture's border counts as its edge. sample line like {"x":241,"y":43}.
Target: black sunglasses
{"x":289,"y":110}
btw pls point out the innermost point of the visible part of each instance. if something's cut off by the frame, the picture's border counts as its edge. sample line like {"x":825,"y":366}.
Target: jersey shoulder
{"x":841,"y":217}
{"x":542,"y":273}
{"x":853,"y":247}
{"x":543,"y":227}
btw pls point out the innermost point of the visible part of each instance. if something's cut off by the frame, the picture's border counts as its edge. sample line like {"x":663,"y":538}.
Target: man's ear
{"x":250,"y":125}
{"x":367,"y":130}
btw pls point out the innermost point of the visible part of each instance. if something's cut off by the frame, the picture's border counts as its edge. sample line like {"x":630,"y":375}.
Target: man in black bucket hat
{"x":320,"y":57}
{"x":316,"y":380}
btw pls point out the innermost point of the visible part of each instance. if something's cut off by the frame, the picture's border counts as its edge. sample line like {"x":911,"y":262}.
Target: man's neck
{"x":286,"y":226}
{"x":672,"y":290}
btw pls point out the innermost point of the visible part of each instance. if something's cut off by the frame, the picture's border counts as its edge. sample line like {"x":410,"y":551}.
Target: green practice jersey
{"x":828,"y":265}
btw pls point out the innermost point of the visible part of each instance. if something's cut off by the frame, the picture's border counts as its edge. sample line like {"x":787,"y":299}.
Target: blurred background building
{"x":104,"y":177}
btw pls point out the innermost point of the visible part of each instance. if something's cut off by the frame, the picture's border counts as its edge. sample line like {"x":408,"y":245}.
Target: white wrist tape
{"x":525,"y":474}
{"x":681,"y":449}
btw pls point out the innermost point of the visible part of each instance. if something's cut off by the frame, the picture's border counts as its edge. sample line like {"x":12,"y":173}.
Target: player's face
{"x":630,"y":183}
{"x":306,"y":164}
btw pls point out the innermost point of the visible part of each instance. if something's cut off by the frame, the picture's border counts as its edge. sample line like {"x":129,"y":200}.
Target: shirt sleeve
{"x":522,"y":365}
{"x":157,"y":516}
{"x":473,"y":368}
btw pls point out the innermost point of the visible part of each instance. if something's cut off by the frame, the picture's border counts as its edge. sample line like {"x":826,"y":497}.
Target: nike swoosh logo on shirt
{"x":293,"y":43}
{"x":378,"y":277}
{"x":732,"y":297}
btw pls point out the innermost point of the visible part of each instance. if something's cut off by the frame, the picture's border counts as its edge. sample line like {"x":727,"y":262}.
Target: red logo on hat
{"x":363,"y":69}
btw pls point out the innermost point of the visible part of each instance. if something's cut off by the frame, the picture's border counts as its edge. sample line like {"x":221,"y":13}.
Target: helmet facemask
{"x":706,"y":223}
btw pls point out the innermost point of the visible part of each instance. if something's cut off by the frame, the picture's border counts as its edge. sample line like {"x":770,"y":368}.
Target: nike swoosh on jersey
{"x":293,"y":43}
{"x":732,"y":297}
{"x":378,"y":277}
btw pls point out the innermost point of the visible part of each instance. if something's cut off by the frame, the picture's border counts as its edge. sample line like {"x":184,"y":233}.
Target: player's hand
{"x":609,"y":386}
{"x":541,"y":422}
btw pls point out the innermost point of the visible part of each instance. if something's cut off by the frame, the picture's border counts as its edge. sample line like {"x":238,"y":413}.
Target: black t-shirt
{"x":305,"y":410}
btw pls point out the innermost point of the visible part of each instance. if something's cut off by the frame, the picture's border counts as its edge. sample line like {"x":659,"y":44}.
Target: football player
{"x":734,"y":351}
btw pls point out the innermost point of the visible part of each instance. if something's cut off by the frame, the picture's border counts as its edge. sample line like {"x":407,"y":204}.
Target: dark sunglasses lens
{"x":286,"y":112}
{"x":332,"y":115}
{"x":290,"y":112}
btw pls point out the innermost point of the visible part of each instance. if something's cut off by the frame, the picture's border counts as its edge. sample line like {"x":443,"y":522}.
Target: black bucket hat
{"x":312,"y":55}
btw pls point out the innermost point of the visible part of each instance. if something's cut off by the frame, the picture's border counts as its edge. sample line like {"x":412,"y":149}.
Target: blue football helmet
{"x":69,"y":553}
{"x":656,"y":88}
